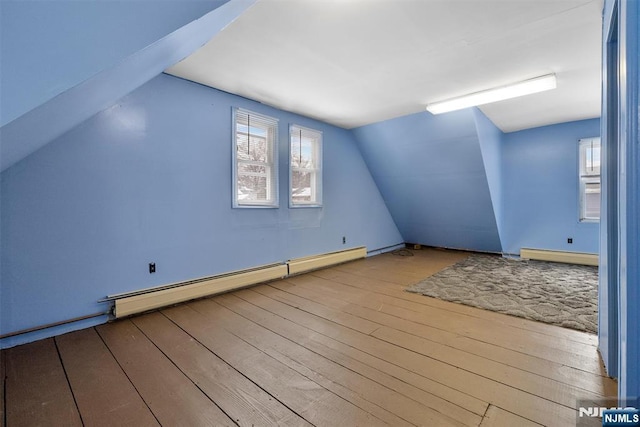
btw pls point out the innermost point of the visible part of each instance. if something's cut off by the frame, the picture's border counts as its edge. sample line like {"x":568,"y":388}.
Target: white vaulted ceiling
{"x":355,"y":62}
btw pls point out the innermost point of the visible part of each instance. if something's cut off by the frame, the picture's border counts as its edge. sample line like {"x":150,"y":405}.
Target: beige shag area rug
{"x":561,"y":294}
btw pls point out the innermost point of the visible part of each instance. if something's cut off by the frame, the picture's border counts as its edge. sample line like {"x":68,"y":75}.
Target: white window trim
{"x":316,"y":177}
{"x":272,"y":187}
{"x":583,"y":180}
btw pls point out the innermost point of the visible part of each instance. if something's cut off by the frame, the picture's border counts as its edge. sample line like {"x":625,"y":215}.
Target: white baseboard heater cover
{"x":149,"y":299}
{"x":301,"y":265}
{"x":129,"y":303}
{"x":559,"y":256}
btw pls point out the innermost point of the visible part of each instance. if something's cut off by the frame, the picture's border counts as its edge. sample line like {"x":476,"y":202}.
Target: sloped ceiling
{"x":85,"y":96}
{"x":356,"y":62}
{"x":49,"y":47}
{"x":431,"y":173}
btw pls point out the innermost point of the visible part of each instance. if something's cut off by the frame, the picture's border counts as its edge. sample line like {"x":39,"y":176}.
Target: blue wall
{"x":149,"y":179}
{"x":51,"y":46}
{"x":540,"y":189}
{"x":490,"y":138}
{"x":431,"y":173}
{"x":455,"y":180}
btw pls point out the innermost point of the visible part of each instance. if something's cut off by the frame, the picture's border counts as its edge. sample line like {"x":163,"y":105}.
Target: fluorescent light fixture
{"x":526,"y":87}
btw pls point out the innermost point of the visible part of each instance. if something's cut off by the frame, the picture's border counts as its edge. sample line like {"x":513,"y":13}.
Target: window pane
{"x":253,"y":149}
{"x":590,"y":156}
{"x":592,"y":201}
{"x":302,"y":155}
{"x":592,"y":166}
{"x":252,"y":188}
{"x":301,"y":187}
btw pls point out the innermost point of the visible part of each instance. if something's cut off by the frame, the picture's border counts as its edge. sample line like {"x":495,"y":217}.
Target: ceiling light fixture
{"x":526,"y":87}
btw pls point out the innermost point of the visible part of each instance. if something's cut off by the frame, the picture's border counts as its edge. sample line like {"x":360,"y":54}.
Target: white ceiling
{"x":355,"y":62}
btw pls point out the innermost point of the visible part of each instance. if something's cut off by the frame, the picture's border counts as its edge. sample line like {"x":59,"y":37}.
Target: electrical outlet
{"x":152,"y":267}
{"x":570,"y":240}
{"x":344,"y":240}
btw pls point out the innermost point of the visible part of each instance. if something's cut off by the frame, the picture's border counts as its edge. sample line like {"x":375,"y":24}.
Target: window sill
{"x":589,"y":221}
{"x":255,"y":207}
{"x":304,"y":206}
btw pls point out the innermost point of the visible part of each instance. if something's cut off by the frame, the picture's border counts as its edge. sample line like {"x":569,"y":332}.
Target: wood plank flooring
{"x":343,"y":346}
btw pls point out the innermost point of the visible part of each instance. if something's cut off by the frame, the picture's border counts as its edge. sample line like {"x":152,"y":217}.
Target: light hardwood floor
{"x":337,"y":347}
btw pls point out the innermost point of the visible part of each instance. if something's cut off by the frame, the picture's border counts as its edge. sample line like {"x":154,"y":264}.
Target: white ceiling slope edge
{"x":356,"y":62}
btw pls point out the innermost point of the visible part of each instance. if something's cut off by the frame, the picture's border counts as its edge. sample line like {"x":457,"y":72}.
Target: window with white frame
{"x":589,"y":179}
{"x":255,"y":163}
{"x":305,"y":159}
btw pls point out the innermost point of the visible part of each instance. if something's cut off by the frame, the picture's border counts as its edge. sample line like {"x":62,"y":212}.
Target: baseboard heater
{"x":148,"y":299}
{"x":303,"y":265}
{"x":559,"y":256}
{"x":129,"y":303}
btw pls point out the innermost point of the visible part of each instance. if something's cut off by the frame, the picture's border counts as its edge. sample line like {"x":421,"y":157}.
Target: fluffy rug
{"x":560,"y":294}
